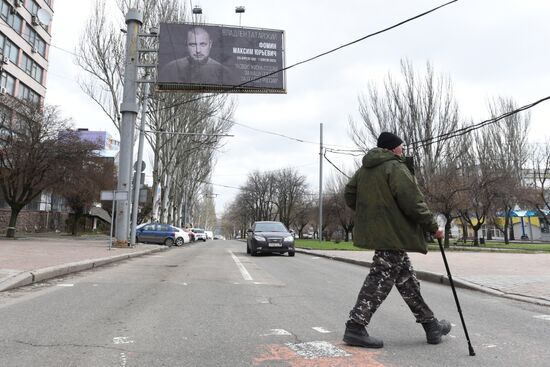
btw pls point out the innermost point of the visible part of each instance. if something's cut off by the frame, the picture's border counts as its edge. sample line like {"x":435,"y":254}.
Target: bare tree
{"x":291,"y":190}
{"x":182,"y":162}
{"x":36,"y":150}
{"x":418,"y":108}
{"x":506,"y":155}
{"x":541,"y":178}
{"x":336,"y":204}
{"x":82,"y":183}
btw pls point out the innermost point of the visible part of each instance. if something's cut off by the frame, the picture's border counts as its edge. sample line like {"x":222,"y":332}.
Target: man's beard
{"x":202,"y":61}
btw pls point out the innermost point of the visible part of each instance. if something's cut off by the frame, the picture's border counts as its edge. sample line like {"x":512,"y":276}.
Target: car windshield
{"x":270,"y":227}
{"x":196,"y":230}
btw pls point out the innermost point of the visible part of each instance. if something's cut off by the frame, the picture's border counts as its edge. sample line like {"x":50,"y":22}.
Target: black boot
{"x":356,"y":335}
{"x":435,"y":329}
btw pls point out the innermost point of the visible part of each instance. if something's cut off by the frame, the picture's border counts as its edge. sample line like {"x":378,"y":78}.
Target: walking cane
{"x":472,"y":353}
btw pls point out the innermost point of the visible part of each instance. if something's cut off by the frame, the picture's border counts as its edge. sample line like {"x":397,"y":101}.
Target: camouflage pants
{"x":390,"y":267}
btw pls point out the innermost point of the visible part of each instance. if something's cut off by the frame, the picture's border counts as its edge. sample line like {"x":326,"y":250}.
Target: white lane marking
{"x":123,"y":359}
{"x":244,"y":272}
{"x":277,"y":332}
{"x":489,"y":345}
{"x":321,"y":329}
{"x":315,"y":258}
{"x":314,"y":350}
{"x":122,"y":340}
{"x":262,"y":300}
{"x":65,"y":285}
{"x":542,"y":317}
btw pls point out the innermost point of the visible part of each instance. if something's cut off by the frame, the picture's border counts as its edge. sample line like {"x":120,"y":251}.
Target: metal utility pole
{"x":129,"y":112}
{"x":137,"y":185}
{"x":321,"y":184}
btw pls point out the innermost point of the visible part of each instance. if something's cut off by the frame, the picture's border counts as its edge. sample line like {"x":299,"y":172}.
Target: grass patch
{"x":516,"y":247}
{"x":325,"y":245}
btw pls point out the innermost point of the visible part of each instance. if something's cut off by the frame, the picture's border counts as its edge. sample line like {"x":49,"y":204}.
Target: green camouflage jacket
{"x":390,"y":212}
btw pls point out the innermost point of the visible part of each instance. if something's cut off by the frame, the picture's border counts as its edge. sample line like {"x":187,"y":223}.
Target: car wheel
{"x":252,"y":251}
{"x":179,"y":241}
{"x":204,"y":240}
{"x":291,"y":253}
{"x":169,"y":242}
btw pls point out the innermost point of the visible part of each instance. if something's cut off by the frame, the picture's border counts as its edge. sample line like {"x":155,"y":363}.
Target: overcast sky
{"x":487,"y":48}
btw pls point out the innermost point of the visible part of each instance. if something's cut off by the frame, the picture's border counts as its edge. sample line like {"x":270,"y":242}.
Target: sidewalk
{"x":24,"y":261}
{"x":523,"y":277}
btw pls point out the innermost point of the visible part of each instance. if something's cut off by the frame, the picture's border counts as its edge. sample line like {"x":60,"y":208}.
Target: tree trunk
{"x":464,"y":232}
{"x":476,"y":239}
{"x":506,"y":225}
{"x":74,"y":229}
{"x":447,"y":230}
{"x":10,"y":233}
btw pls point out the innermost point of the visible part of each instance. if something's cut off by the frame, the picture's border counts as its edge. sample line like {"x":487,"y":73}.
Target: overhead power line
{"x":469,"y":129}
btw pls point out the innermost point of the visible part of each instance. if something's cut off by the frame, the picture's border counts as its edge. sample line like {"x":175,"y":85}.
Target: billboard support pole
{"x":128,"y":110}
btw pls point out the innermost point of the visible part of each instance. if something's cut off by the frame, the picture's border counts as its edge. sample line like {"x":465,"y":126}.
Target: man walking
{"x":391,"y":218}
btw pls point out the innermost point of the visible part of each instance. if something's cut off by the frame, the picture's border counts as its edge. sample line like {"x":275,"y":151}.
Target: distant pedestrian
{"x":391,"y":217}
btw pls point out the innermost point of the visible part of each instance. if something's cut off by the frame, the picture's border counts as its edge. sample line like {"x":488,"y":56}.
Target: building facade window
{"x":10,"y":16}
{"x":32,"y":68}
{"x":27,"y":94}
{"x":35,"y":41}
{"x":33,"y":7}
{"x":7,"y":81}
{"x":8,"y":49}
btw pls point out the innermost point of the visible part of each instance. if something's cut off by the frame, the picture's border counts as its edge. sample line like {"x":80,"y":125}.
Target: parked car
{"x":269,"y":237}
{"x":160,"y":233}
{"x":199,"y":234}
{"x":182,"y":237}
{"x":209,"y":235}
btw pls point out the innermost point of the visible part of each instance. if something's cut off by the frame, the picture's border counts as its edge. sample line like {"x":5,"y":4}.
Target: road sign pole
{"x":139,"y":165}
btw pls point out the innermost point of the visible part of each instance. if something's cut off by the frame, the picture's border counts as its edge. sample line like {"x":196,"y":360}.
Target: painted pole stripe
{"x":542,"y":317}
{"x":321,"y":329}
{"x":244,"y":272}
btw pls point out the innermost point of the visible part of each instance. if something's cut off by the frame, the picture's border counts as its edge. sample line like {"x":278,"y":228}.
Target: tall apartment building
{"x":24,"y":47}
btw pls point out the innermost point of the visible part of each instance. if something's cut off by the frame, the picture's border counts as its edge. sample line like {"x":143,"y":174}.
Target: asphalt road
{"x":212,"y":304}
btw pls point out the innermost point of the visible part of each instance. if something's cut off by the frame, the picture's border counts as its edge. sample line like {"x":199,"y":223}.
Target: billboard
{"x":214,"y":58}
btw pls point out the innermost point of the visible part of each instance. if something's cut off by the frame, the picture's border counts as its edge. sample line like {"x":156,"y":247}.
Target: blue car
{"x":164,"y":234}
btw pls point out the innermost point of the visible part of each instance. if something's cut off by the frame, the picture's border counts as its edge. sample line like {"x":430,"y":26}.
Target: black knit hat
{"x":388,"y":141}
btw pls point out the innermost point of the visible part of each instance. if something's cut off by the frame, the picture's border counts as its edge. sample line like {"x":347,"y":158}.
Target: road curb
{"x":441,"y":279}
{"x":34,"y":276}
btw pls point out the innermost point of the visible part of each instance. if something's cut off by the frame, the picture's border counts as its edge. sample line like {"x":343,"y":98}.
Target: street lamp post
{"x":239,"y":10}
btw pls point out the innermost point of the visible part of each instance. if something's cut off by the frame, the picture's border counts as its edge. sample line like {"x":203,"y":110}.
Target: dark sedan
{"x":269,"y":237}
